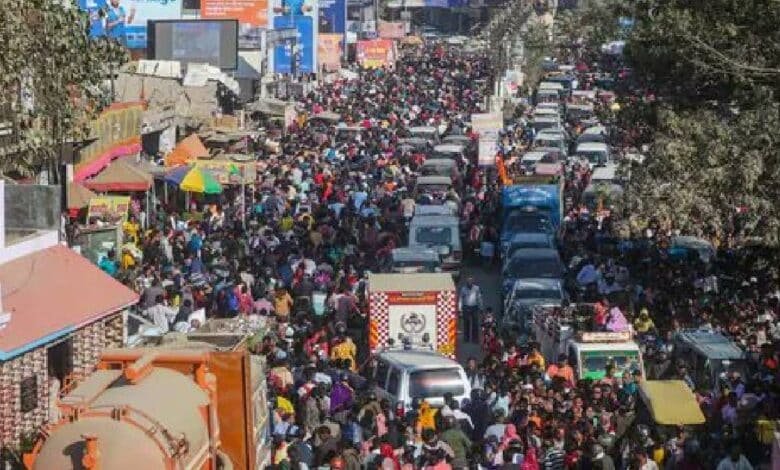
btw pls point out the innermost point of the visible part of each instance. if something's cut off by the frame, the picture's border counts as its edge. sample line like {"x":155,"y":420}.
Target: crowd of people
{"x":330,"y":207}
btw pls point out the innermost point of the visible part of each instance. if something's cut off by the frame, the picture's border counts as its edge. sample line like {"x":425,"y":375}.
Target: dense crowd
{"x":329,"y":208}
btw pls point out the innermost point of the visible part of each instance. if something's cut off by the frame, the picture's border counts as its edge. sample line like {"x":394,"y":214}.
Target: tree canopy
{"x":710,"y":72}
{"x":52,"y":73}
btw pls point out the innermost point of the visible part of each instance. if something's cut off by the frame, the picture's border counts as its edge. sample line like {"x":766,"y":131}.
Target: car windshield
{"x":433,"y":188}
{"x":435,"y":383}
{"x":593,"y":157}
{"x":545,"y":125}
{"x":527,"y":223}
{"x":446,"y":155}
{"x":434,"y":235}
{"x":525,"y":293}
{"x":594,"y":363}
{"x":524,"y":268}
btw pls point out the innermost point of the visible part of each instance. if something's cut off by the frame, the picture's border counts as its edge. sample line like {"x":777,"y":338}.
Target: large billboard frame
{"x":150,"y":37}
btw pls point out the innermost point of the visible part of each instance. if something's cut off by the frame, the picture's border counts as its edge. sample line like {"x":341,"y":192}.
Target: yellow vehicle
{"x":670,"y":403}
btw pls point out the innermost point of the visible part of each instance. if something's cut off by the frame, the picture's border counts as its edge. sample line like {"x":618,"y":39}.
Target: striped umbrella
{"x":194,"y":180}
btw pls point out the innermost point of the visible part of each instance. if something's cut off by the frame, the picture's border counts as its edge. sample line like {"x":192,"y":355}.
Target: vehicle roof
{"x":533,"y":156}
{"x":410,"y":282}
{"x":691,"y":242}
{"x":457,"y":137}
{"x":445,"y":148}
{"x":434,"y":180}
{"x":585,"y":93}
{"x":550,"y":134}
{"x":618,"y":346}
{"x":435,"y":220}
{"x":414,"y":254}
{"x":412,"y":140}
{"x":594,"y":130}
{"x":555,"y":106}
{"x":418,"y":359}
{"x":423,"y":129}
{"x":580,"y":106}
{"x":529,"y":236}
{"x":536,"y":253}
{"x":592,"y":147}
{"x":545,"y":118}
{"x":547,"y":110}
{"x":606,"y":172}
{"x":711,"y":344}
{"x":433,"y":209}
{"x":550,"y":85}
{"x":671,"y":402}
{"x":439,"y":162}
{"x":538,"y":283}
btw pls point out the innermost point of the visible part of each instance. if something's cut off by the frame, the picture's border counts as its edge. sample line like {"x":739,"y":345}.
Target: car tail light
{"x":400,"y":410}
{"x":458,"y":255}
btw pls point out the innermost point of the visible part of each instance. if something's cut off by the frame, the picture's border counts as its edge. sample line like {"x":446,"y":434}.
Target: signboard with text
{"x":247,"y":12}
{"x":376,"y":53}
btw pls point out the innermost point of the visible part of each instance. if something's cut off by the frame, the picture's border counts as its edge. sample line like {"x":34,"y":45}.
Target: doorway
{"x":60,"y":359}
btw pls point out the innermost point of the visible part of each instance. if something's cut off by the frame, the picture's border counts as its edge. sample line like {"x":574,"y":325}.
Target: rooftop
{"x":52,"y":292}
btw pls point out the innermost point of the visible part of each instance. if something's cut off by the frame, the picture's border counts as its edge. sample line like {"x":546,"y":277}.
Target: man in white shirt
{"x":470,"y":304}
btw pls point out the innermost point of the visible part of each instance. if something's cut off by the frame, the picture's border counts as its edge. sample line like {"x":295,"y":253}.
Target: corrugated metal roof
{"x":52,"y":292}
{"x":410,"y":282}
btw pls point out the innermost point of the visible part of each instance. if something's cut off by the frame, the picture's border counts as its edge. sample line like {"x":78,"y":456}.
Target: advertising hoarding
{"x":375,"y":53}
{"x":126,"y":20}
{"x":392,"y":29}
{"x":329,"y":51}
{"x":488,"y":148}
{"x":302,"y":16}
{"x":487,"y":123}
{"x":332,"y":16}
{"x":247,"y":12}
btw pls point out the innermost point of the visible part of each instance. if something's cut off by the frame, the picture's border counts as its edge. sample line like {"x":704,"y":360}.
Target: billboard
{"x":126,"y":20}
{"x":487,"y":123}
{"x":299,"y":55}
{"x":247,"y":12}
{"x":375,"y":53}
{"x":213,"y":42}
{"x":392,"y":29}
{"x":488,"y":149}
{"x":332,"y":16}
{"x":329,"y":51}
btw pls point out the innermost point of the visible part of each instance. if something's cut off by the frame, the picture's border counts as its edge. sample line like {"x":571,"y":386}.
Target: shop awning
{"x":188,"y":149}
{"x":120,"y":176}
{"x":78,"y":196}
{"x":51,"y":293}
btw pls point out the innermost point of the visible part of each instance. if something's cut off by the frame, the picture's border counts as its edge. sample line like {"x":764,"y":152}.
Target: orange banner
{"x":329,"y":51}
{"x":375,"y":53}
{"x":392,"y":29}
{"x":251,"y":12}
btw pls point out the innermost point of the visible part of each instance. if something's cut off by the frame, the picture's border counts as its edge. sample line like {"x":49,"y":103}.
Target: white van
{"x":403,"y":375}
{"x":595,"y":153}
{"x":440,"y":233}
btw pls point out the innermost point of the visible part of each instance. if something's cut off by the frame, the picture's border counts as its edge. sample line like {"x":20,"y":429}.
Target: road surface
{"x":489,"y":279}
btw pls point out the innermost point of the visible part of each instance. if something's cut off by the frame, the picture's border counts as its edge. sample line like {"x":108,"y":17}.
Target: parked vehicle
{"x":532,"y":263}
{"x":440,"y":233}
{"x":408,"y":260}
{"x":527,"y":295}
{"x":593,"y":153}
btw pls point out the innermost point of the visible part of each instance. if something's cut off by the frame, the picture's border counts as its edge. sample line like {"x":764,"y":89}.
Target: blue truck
{"x":533,"y":205}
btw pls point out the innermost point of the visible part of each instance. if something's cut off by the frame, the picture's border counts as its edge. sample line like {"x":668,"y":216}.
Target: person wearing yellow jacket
{"x":344,"y":349}
{"x":426,"y":418}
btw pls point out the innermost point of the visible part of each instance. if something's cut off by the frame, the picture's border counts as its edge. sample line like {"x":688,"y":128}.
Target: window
{"x":434,"y":235}
{"x":28,"y":391}
{"x":393,"y":381}
{"x":435,"y":383}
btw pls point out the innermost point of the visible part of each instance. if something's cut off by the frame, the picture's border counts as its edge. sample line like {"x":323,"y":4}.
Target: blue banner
{"x":333,"y":16}
{"x":126,"y":20}
{"x":283,"y":53}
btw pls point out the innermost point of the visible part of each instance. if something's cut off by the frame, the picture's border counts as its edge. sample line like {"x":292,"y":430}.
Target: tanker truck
{"x":161,"y":408}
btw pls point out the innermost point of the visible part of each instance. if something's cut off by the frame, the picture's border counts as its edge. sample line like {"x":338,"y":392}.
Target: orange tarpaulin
{"x":502,"y":176}
{"x":188,"y":149}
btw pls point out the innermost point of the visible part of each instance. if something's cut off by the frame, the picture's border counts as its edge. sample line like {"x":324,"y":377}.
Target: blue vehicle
{"x":533,"y":206}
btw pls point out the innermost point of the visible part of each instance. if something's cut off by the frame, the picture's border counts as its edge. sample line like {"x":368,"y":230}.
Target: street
{"x":489,"y":279}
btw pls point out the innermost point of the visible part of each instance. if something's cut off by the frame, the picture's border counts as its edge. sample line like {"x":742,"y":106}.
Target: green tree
{"x":713,"y":125}
{"x":52,"y":75}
